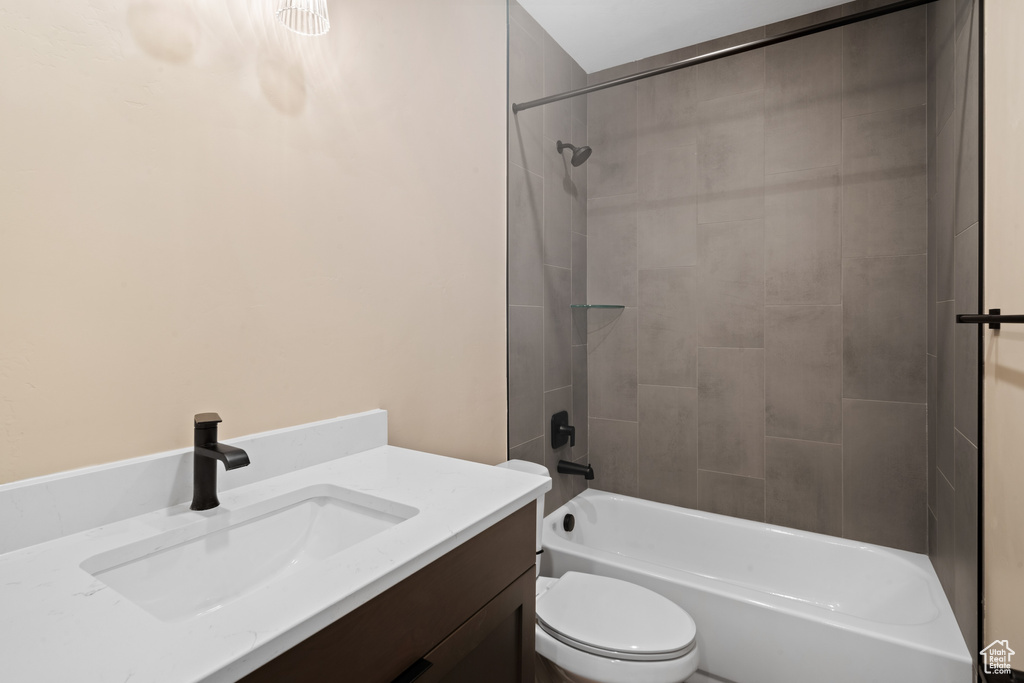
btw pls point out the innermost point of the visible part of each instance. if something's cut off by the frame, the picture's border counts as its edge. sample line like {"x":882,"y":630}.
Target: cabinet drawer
{"x":384,"y":637}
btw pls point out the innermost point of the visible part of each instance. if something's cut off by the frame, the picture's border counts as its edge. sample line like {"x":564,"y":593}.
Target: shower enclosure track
{"x":728,"y":52}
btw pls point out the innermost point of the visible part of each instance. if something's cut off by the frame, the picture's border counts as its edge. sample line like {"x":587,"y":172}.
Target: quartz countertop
{"x":59,"y":623}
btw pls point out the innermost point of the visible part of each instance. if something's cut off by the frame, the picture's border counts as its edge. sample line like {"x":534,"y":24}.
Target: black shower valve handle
{"x":571,"y":431}
{"x":561,"y":431}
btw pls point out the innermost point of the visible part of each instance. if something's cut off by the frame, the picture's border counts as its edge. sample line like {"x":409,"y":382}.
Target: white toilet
{"x":595,"y":629}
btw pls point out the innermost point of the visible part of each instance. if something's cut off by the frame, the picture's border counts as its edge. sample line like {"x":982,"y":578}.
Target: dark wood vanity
{"x":466,"y":617}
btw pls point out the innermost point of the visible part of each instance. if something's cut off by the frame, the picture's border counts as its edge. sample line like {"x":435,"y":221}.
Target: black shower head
{"x":579,"y":154}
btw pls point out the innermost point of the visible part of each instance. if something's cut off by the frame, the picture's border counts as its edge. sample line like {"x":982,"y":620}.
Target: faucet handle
{"x":207,"y":420}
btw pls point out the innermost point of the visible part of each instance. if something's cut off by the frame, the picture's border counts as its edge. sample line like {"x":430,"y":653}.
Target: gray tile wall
{"x":764,"y":221}
{"x":547,"y":255}
{"x":953,"y":278}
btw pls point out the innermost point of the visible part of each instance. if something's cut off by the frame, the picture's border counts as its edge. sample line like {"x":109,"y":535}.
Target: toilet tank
{"x":540,"y":470}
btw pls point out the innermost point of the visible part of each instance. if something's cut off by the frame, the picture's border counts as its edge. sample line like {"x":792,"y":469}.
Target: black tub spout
{"x":566,"y":467}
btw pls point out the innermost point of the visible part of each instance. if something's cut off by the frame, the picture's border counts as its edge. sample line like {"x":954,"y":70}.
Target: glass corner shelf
{"x":594,"y":306}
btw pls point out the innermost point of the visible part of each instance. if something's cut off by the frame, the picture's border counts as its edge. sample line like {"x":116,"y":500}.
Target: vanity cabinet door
{"x":473,"y":586}
{"x":496,"y":644}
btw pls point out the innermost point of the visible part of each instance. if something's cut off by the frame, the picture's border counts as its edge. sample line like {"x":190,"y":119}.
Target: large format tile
{"x":884,"y":315}
{"x":668,"y":327}
{"x":578,"y":79}
{"x":580,"y":403}
{"x":731,"y":419}
{"x":610,"y":74}
{"x":557,"y":79}
{"x":885,"y":184}
{"x":525,"y":373}
{"x":579,"y":179}
{"x":557,"y":328}
{"x":803,"y":349}
{"x":884,"y":478}
{"x":557,"y":208}
{"x":931,"y":134}
{"x":579,"y":272}
{"x":802,"y":21}
{"x":532,"y":451}
{"x":965,"y":539}
{"x":945,"y":541}
{"x":933,"y":428}
{"x":578,"y":289}
{"x":940,"y":58}
{"x":730,"y":158}
{"x":966,"y":140}
{"x":611,"y":250}
{"x":804,"y":485}
{"x":737,"y":74}
{"x":802,"y":238}
{"x":612,"y":363}
{"x":944,"y":201}
{"x":965,"y":12}
{"x":578,"y":319}
{"x":731,"y":282}
{"x":803,"y":103}
{"x":667,"y":106}
{"x":665,"y":58}
{"x":946,"y":368}
{"x":884,"y":63}
{"x":667,"y":208}
{"x":668,"y":445}
{"x":613,"y":455}
{"x":525,"y":82}
{"x":933,"y":277}
{"x":612,"y":130}
{"x":728,"y":494}
{"x":517,"y":14}
{"x":965,"y":337}
{"x":561,"y":484}
{"x":525,"y":238}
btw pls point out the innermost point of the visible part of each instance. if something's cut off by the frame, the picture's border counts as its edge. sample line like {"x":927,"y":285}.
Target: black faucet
{"x":204,"y":461}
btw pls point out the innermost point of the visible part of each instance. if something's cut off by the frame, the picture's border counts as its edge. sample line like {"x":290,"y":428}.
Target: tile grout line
{"x":764,"y":290}
{"x":842,"y":284}
{"x":698,"y":136}
{"x":790,"y":438}
{"x":636,"y":241}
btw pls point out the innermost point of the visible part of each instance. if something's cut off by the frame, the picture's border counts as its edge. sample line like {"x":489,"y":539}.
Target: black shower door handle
{"x":993,"y":319}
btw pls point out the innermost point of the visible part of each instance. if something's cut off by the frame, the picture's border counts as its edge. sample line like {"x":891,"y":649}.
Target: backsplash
{"x":48,"y":507}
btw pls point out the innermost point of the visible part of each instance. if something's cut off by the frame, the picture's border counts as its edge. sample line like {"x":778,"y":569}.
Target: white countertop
{"x":59,"y":623}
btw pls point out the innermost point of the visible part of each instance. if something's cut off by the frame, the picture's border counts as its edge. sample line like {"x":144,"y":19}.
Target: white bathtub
{"x":772,"y":605}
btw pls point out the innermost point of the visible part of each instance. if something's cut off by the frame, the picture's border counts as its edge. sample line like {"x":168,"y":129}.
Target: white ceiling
{"x":604,"y":33}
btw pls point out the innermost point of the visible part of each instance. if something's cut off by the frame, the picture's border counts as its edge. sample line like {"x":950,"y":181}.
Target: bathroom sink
{"x":206,"y":565}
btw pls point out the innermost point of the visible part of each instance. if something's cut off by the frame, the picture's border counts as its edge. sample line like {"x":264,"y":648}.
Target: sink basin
{"x":204,"y":566}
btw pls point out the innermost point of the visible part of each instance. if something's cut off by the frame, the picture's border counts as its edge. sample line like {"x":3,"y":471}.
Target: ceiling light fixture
{"x":305,"y":17}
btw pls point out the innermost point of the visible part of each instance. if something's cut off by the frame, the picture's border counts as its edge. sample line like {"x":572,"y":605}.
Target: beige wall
{"x":1004,"y":352}
{"x":201,"y":211}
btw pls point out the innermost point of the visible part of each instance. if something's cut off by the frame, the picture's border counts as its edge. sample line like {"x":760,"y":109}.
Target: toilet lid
{"x":614,"y":618}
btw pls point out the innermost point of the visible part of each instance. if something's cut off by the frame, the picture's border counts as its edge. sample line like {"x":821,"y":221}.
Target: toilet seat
{"x":614,"y":619}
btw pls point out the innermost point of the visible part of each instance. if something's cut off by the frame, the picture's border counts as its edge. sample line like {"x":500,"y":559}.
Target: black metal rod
{"x":993,"y":319}
{"x":728,"y":52}
{"x":985,"y":319}
{"x":981,"y":441}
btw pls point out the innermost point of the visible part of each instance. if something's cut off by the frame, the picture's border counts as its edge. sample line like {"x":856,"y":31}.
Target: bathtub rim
{"x":934,"y":636}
